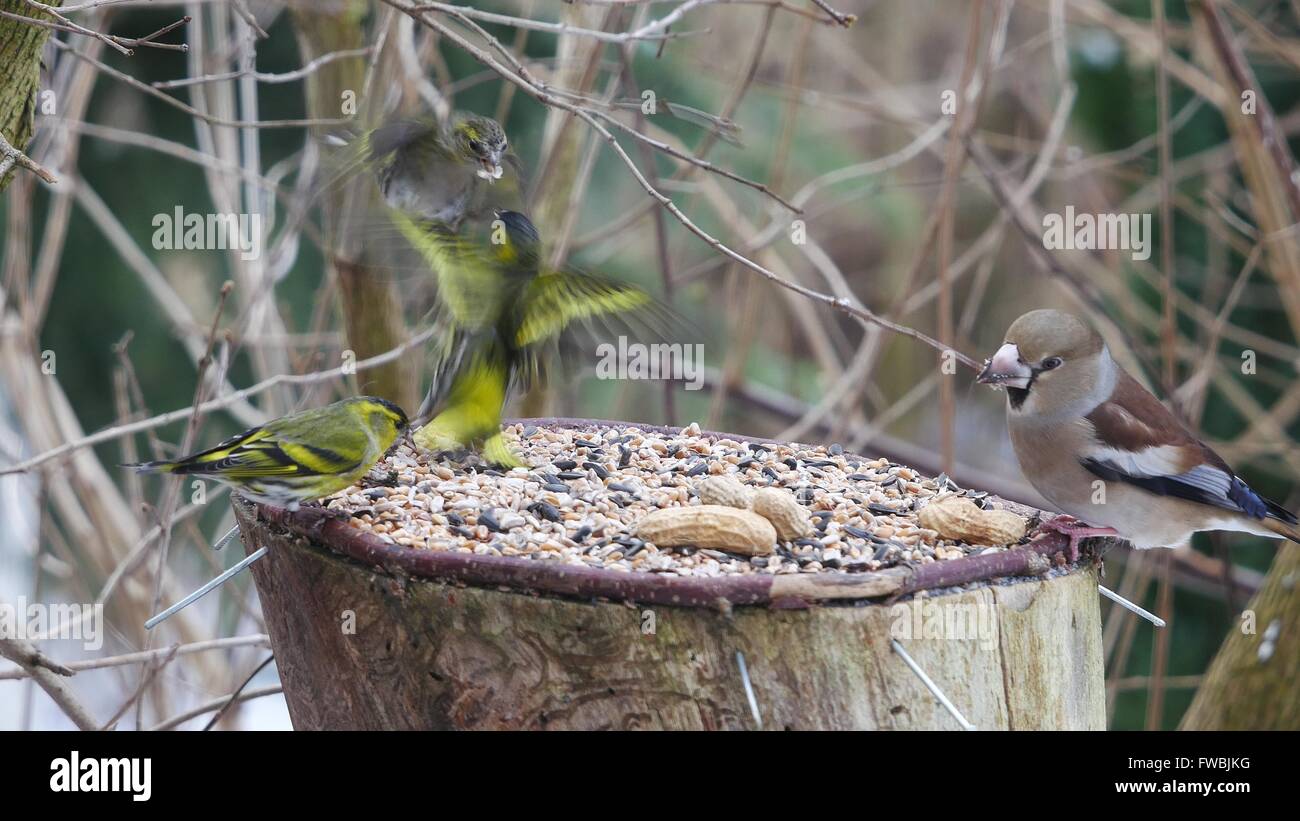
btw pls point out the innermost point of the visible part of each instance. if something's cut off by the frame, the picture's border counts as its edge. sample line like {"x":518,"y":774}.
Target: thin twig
{"x":44,"y":673}
{"x":216,"y":704}
{"x":10,"y":155}
{"x":234,"y":697}
{"x":74,"y":667}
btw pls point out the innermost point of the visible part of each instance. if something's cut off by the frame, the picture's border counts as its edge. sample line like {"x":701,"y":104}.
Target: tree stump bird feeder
{"x":505,"y":628}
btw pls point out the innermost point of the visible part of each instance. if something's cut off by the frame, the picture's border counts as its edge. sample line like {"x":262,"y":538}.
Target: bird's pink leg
{"x":1075,"y":531}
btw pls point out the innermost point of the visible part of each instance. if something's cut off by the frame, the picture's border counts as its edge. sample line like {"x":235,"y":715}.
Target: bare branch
{"x":48,"y":676}
{"x":10,"y":155}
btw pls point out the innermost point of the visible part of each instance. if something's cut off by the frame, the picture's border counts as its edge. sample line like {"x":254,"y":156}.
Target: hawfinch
{"x":1101,"y":448}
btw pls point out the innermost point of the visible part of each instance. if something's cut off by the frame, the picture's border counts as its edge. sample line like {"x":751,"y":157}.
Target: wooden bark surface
{"x":430,"y":655}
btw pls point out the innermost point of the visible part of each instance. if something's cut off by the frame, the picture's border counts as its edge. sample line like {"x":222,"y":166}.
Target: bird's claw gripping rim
{"x":1075,"y":531}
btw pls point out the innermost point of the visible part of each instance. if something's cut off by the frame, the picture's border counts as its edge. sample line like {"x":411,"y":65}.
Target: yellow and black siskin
{"x":300,"y":457}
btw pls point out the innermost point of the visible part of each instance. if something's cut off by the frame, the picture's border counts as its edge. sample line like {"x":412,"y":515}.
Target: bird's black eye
{"x":476,"y":146}
{"x":1051,"y":362}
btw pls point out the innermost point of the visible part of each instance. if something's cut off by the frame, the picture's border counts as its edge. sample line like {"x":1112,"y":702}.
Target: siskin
{"x":300,"y":457}
{"x":437,"y":172}
{"x":502,"y":314}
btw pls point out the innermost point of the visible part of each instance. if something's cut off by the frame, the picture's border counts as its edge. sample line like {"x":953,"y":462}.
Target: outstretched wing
{"x":471,"y":285}
{"x":364,"y":152}
{"x":556,"y":299}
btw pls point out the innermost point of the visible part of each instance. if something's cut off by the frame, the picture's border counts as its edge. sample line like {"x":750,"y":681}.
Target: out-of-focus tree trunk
{"x":371,"y":307}
{"x":1251,"y":684}
{"x":562,"y":142}
{"x":20,"y":74}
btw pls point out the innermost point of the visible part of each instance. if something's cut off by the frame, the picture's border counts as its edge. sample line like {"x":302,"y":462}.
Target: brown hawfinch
{"x":1100,"y":447}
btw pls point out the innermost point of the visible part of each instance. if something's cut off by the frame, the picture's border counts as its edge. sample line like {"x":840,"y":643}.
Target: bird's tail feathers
{"x":1285,"y":529}
{"x":151,"y":467}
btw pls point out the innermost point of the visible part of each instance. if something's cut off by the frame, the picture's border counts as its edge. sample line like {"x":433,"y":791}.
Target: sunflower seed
{"x":546,"y":511}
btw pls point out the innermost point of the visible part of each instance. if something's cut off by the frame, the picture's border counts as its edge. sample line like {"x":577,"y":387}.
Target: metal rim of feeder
{"x":787,"y":590}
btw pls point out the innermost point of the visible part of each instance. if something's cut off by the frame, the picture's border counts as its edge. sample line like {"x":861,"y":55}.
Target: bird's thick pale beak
{"x":1006,"y":370}
{"x":491,"y":170}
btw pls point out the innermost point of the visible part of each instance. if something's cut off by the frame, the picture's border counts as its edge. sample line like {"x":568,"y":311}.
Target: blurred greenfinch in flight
{"x":435,"y":171}
{"x":502,"y":314}
{"x":301,"y":457}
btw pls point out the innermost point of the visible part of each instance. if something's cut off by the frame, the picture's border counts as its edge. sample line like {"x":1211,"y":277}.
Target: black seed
{"x":493,"y":472}
{"x":455,"y":519}
{"x":582,"y":534}
{"x":596,"y":468}
{"x":489,"y":521}
{"x":756,"y":447}
{"x":746,"y":462}
{"x":569,"y":475}
{"x":889,"y":482}
{"x":622,"y":487}
{"x":636,"y":547}
{"x":822,"y":514}
{"x":625,"y":456}
{"x":805,"y":496}
{"x":700,"y":467}
{"x":791,"y":462}
{"x":857,"y":532}
{"x":529,"y":432}
{"x":859,"y":477}
{"x":881,"y":510}
{"x":376,"y":493}
{"x":881,"y":551}
{"x":835,"y":449}
{"x":463,"y":531}
{"x":545,"y":511}
{"x":556,"y":487}
{"x":807,"y":542}
{"x":771,"y":474}
{"x":758,"y":561}
{"x":565,"y":464}
{"x":585,"y":443}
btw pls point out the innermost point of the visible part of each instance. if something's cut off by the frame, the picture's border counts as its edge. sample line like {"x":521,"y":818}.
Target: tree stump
{"x":371,"y":635}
